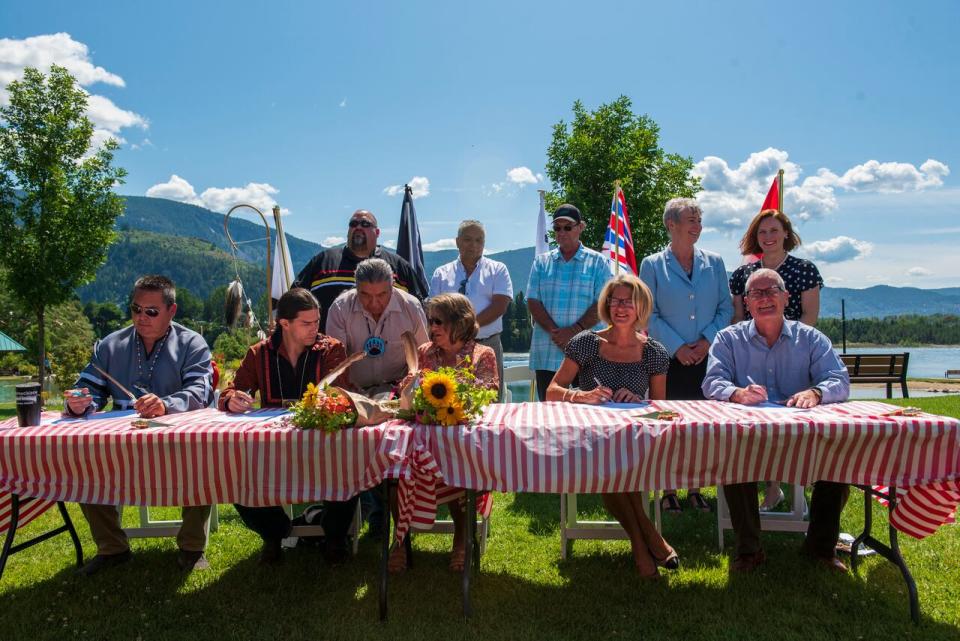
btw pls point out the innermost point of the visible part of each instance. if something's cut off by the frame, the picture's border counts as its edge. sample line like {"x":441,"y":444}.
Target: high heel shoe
{"x":671,"y":562}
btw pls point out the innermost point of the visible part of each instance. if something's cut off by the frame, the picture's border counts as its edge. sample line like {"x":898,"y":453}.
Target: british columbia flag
{"x":618,"y":243}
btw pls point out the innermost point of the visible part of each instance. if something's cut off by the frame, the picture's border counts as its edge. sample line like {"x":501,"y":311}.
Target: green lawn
{"x":523,"y":591}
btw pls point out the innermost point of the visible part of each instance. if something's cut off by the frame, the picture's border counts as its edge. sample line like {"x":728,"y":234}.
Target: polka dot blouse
{"x":584,"y":350}
{"x":798,"y":275}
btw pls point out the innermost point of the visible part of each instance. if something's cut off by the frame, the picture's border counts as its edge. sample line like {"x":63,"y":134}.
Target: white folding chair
{"x":792,"y":521}
{"x":571,"y":527}
{"x":157,"y":529}
{"x":518,"y":374}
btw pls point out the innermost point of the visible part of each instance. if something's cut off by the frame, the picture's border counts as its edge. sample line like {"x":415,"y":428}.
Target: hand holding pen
{"x":752,"y":394}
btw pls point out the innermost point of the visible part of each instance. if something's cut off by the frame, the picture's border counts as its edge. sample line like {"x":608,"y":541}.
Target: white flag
{"x":282,"y":276}
{"x":542,"y":245}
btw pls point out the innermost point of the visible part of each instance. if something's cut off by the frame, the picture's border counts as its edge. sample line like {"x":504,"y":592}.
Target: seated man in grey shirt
{"x":167,"y":367}
{"x":769,"y":358}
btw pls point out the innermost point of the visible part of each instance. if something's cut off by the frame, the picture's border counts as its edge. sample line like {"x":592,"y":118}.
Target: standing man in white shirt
{"x":484,"y":281}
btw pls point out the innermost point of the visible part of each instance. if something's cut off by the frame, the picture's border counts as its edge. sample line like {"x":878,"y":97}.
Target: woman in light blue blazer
{"x":691,"y":303}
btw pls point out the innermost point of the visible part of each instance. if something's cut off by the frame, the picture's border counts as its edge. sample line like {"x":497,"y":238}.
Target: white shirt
{"x":489,"y":278}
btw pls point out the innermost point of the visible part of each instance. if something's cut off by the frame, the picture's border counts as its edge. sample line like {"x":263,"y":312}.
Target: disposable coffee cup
{"x":28,"y":404}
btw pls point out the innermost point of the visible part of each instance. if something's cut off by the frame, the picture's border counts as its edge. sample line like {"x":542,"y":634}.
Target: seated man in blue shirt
{"x":769,"y":358}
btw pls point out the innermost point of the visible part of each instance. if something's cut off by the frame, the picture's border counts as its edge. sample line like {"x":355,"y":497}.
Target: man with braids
{"x":280,"y":368}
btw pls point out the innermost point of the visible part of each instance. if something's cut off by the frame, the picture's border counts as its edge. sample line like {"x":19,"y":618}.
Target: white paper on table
{"x":625,"y":406}
{"x":253,"y":416}
{"x":769,"y":405}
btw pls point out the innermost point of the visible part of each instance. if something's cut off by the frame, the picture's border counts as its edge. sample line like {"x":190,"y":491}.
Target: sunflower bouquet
{"x":328,"y":409}
{"x":449,"y":396}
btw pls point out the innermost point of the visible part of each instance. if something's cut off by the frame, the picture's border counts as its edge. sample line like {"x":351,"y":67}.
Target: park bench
{"x":952,"y":373}
{"x":878,"y":368}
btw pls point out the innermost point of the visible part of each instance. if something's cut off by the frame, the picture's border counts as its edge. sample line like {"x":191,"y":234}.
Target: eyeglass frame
{"x":766,"y":292}
{"x":360,"y":222}
{"x":136,"y":310}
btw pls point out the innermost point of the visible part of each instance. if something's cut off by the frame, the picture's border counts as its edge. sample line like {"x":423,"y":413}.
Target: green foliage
{"x":517,"y":328}
{"x":57,"y":207}
{"x":936,"y":329}
{"x":192,"y":264}
{"x":233,"y":344}
{"x":327,"y":409}
{"x":189,"y":305}
{"x":105,"y":317}
{"x":608,"y":144}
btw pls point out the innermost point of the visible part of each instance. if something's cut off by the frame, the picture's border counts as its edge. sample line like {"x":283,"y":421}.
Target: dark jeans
{"x":684,"y":381}
{"x":272,"y":523}
{"x":825,"y":507}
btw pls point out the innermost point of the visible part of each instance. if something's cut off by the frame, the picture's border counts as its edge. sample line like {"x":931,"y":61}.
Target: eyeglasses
{"x":619,"y":302}
{"x":152,"y":312}
{"x":366,"y":224}
{"x":435,"y":321}
{"x":463,"y":286}
{"x":557,"y":228}
{"x":757,"y":294}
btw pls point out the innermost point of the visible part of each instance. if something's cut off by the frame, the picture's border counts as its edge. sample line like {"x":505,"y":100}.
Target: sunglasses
{"x":366,"y":224}
{"x":436,"y":321}
{"x":152,"y":312}
{"x":463,"y":286}
{"x":557,"y":228}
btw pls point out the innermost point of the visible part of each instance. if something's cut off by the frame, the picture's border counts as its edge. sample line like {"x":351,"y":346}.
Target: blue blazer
{"x":686,"y":308}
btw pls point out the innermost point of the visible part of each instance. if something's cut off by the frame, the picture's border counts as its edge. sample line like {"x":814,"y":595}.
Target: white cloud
{"x":40,"y":52}
{"x":419,"y":184}
{"x":919,"y":272}
{"x":175,"y":189}
{"x":732,"y":196}
{"x":330,"y":241}
{"x":444,"y":243}
{"x":833,"y":279}
{"x":837,"y":249}
{"x":392,"y":244}
{"x":219,"y":199}
{"x":343,"y":103}
{"x":523,"y":176}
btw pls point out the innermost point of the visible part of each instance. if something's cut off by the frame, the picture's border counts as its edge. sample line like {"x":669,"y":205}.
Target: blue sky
{"x":322,"y":107}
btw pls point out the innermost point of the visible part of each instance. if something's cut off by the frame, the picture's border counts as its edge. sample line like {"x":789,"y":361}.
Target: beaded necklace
{"x":157,"y":348}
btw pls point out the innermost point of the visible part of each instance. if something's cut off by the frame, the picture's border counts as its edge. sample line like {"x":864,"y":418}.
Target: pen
{"x":751,"y":381}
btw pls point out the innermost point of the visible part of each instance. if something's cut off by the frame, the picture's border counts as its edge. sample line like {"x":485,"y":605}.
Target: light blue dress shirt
{"x":686,"y":308}
{"x":802,"y":358}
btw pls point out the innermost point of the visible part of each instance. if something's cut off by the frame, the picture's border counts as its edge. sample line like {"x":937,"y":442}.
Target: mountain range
{"x":201,"y":260}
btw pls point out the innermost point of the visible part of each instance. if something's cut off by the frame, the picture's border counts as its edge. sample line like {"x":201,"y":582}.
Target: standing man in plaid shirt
{"x":562,"y":294}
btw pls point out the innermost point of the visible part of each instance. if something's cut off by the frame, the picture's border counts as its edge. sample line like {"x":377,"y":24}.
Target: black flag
{"x":408,"y":243}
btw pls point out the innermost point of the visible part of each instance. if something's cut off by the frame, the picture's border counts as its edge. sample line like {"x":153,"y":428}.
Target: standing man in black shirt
{"x":331,"y":271}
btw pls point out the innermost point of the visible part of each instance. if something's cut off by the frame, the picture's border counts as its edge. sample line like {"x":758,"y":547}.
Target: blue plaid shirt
{"x":565,"y":288}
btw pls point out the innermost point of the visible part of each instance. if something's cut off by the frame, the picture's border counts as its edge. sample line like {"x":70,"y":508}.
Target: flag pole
{"x":616,"y":239}
{"x":780,"y":191}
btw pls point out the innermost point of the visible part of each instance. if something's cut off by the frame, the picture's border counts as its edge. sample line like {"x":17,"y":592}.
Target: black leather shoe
{"x":272,"y":552}
{"x":336,"y":551}
{"x":103,"y":561}
{"x":188,"y":560}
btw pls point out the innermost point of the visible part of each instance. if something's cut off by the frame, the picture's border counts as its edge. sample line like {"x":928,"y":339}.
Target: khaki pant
{"x":110,"y":538}
{"x":493,"y":342}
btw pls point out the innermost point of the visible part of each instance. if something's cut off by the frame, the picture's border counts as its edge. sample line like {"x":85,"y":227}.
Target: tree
{"x":612,"y":143}
{"x":105,"y":317}
{"x":57,"y":207}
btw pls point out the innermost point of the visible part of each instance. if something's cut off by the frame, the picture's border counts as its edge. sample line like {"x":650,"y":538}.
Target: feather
{"x":339,"y":369}
{"x":233,"y":303}
{"x":410,"y":352}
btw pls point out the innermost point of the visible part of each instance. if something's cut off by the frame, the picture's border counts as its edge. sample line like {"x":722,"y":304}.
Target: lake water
{"x":925,"y":362}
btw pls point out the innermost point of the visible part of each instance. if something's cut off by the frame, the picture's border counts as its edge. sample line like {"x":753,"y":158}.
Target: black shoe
{"x":192,"y":560}
{"x":336,"y":551}
{"x":272,"y":552}
{"x":102,"y":561}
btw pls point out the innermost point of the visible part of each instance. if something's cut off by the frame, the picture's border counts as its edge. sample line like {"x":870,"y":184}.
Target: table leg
{"x":469,"y":549}
{"x":889,"y":552}
{"x":9,"y":548}
{"x":385,"y":549}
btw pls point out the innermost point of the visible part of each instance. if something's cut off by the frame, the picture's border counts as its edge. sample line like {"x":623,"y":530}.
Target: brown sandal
{"x":397,"y":561}
{"x":697,"y":502}
{"x":458,"y":559}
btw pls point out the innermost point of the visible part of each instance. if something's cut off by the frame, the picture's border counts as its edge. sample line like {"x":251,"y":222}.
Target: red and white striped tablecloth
{"x":198,"y":458}
{"x":567,"y":448}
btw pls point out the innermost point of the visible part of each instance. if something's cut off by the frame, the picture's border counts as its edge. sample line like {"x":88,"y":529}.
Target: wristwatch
{"x":818,"y":392}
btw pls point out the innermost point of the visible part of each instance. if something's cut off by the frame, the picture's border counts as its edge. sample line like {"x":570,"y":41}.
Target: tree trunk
{"x":42,"y":347}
